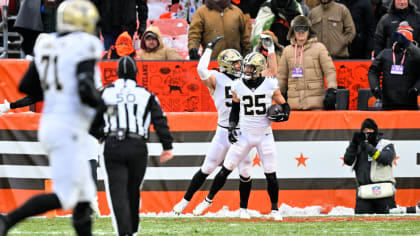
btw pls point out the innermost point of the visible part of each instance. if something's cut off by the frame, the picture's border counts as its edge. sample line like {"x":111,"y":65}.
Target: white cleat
{"x":198,"y":210}
{"x":95,"y":208}
{"x":244,"y":214}
{"x":275,"y":215}
{"x":180,"y":206}
{"x":398,"y":210}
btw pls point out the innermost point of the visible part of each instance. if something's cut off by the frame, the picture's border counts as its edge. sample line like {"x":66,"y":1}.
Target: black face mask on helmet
{"x":127,"y":68}
{"x":371,"y":137}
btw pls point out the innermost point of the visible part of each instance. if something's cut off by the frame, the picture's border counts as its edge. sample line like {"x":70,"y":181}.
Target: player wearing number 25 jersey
{"x":252,"y":95}
{"x":219,"y":85}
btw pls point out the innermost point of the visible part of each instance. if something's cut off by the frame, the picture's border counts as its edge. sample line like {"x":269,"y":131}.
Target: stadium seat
{"x":173,"y":27}
{"x":342,"y":102}
{"x":366,"y":101}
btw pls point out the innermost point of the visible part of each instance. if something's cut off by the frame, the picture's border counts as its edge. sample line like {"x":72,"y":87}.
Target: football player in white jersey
{"x":252,"y":95}
{"x":219,"y":84}
{"x":62,"y":74}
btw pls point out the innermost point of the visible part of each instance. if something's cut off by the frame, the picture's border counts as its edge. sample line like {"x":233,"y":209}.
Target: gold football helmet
{"x":226,"y":59}
{"x":77,"y":15}
{"x":255,"y":60}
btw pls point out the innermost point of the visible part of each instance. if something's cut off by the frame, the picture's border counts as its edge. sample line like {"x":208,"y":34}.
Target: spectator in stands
{"x":123,"y":47}
{"x":304,"y":64}
{"x":276,"y":16}
{"x":399,"y":67}
{"x":187,"y":8}
{"x":118,"y":16}
{"x":153,"y":48}
{"x":371,"y":157}
{"x":399,"y":10}
{"x":249,"y":7}
{"x":304,"y":7}
{"x":334,"y":27}
{"x":35,"y":17}
{"x":261,"y":48}
{"x":379,"y":9}
{"x":218,"y":18}
{"x":364,"y":20}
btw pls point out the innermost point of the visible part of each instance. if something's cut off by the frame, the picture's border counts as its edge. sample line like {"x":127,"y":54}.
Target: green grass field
{"x":186,"y":226}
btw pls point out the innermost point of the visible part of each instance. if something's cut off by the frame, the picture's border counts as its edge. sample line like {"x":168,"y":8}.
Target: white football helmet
{"x":77,"y":15}
{"x":256,"y":60}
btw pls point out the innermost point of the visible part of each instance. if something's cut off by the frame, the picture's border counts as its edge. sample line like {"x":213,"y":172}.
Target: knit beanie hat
{"x":405,"y":29}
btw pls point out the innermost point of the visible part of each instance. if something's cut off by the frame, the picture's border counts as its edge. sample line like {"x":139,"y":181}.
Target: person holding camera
{"x":371,"y":157}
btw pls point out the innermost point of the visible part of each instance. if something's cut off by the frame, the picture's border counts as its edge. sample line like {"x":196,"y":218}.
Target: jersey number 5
{"x":253,"y":105}
{"x":46,"y":62}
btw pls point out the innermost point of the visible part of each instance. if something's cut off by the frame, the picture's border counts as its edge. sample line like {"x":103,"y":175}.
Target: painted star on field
{"x":301,"y":160}
{"x":256,"y":161}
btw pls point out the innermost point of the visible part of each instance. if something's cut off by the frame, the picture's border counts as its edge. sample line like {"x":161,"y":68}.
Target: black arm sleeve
{"x":31,"y":84}
{"x":23,"y":102}
{"x":87,"y":91}
{"x":160,"y":123}
{"x":234,"y":114}
{"x":142,"y":12}
{"x":98,"y":123}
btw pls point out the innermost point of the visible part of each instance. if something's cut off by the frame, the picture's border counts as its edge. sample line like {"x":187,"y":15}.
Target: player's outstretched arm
{"x":202,"y":68}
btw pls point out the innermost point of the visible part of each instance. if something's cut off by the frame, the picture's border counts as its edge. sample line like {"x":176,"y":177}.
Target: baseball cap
{"x":405,"y":29}
{"x":150,"y":34}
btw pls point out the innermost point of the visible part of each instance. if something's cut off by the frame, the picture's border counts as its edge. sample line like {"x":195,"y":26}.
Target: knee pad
{"x":82,"y":215}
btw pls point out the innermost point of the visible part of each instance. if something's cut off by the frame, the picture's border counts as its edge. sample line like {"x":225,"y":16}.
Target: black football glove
{"x":194,"y":54}
{"x":330,"y":99}
{"x":214,"y":42}
{"x":233,"y":135}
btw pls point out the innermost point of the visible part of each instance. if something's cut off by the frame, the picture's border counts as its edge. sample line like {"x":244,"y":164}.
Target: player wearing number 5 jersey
{"x":63,"y":75}
{"x":219,"y":85}
{"x":252,"y":96}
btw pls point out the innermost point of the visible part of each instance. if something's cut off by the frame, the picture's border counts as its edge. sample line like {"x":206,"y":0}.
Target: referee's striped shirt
{"x":131,"y":109}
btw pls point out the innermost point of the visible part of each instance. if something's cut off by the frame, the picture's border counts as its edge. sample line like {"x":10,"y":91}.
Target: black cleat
{"x":3,"y":225}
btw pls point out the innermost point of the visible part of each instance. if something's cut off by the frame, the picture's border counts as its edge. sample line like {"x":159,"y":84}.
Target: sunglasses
{"x":301,"y":28}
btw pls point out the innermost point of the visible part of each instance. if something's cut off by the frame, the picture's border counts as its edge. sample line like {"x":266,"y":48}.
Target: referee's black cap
{"x":127,"y":68}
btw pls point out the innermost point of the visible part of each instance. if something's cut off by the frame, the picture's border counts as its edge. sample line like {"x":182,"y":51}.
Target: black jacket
{"x":120,"y":15}
{"x":364,"y":21}
{"x":360,"y":155}
{"x":395,"y":87}
{"x":390,"y":21}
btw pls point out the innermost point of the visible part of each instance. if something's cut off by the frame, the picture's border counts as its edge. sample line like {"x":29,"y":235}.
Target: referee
{"x":124,"y":127}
